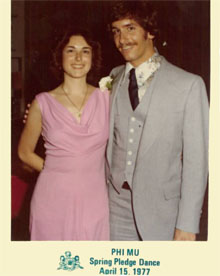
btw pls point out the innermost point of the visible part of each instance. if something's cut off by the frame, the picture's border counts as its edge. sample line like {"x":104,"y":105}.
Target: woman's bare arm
{"x":29,"y":138}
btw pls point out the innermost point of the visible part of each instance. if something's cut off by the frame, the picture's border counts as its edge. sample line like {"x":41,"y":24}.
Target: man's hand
{"x":184,"y":236}
{"x":26,"y":113}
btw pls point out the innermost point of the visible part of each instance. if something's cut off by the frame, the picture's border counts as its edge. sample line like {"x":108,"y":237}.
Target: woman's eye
{"x":86,"y":52}
{"x":131,"y":28}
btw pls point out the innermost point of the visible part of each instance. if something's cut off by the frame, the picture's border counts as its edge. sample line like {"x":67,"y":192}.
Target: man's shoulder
{"x":177,"y":75}
{"x":117,"y":70}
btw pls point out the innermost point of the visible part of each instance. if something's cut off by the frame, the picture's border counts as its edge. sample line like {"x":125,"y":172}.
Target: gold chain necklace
{"x":79,"y":110}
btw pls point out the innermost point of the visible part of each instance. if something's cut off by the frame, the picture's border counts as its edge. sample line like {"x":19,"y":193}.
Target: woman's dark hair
{"x":142,"y":12}
{"x":62,"y":40}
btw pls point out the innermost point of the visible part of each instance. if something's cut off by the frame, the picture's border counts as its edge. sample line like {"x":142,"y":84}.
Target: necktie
{"x":133,"y":89}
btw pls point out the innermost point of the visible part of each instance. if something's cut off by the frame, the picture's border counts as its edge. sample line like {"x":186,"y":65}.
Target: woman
{"x":70,"y":199}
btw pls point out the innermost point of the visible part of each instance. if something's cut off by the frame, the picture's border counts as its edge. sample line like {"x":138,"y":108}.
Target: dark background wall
{"x":185,"y":26}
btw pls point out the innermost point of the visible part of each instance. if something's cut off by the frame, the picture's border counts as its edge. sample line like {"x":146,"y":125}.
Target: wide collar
{"x":144,"y":70}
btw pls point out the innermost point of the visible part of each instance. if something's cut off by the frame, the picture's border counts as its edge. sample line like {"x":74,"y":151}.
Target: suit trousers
{"x":122,"y":220}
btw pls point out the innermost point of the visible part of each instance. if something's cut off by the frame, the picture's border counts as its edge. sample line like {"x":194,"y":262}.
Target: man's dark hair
{"x":62,"y":40}
{"x":142,"y":12}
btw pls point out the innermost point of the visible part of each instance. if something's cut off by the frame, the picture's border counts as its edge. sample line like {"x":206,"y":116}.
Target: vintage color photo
{"x":93,"y":166}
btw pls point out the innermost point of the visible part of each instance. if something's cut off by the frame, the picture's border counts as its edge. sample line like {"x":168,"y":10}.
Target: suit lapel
{"x":156,"y":110}
{"x":115,"y":88}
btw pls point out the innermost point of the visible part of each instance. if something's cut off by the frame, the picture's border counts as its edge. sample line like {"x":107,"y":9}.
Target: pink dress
{"x":70,"y":200}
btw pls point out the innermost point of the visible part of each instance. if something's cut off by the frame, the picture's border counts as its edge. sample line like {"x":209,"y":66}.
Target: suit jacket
{"x":171,"y":168}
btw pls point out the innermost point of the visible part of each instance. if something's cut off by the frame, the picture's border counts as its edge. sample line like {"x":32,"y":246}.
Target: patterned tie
{"x":133,"y":89}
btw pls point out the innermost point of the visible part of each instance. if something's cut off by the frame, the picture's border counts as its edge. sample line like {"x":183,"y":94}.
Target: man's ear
{"x":150,"y":36}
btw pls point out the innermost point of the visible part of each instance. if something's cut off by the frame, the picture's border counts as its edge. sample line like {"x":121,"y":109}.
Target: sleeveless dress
{"x":70,"y":200}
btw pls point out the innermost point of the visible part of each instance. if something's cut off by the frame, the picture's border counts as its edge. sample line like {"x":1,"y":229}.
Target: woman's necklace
{"x":79,"y":110}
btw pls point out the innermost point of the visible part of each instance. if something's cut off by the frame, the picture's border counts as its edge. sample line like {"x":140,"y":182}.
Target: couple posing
{"x":157,"y":134}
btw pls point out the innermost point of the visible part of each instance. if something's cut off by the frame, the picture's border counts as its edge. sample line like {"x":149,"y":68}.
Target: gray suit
{"x":169,"y":163}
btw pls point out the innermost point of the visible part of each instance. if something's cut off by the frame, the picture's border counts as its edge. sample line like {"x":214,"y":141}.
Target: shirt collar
{"x":154,"y":59}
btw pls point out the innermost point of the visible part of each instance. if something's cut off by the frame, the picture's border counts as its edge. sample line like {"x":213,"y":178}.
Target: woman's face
{"x":77,"y":57}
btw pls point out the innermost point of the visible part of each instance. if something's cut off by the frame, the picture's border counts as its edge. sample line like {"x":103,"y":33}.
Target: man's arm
{"x":195,"y":161}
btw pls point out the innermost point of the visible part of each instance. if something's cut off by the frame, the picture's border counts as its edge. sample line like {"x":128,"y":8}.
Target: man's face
{"x":135,"y":45}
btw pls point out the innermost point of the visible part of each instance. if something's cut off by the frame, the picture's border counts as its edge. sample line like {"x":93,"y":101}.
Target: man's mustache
{"x":126,"y":45}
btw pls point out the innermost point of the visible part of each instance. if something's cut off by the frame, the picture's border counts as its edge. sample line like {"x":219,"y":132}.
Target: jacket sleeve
{"x":195,"y":157}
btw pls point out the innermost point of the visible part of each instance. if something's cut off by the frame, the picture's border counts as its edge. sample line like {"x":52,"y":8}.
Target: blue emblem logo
{"x":68,"y":262}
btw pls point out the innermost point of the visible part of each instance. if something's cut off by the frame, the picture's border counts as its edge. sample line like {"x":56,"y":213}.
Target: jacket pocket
{"x":171,"y":192}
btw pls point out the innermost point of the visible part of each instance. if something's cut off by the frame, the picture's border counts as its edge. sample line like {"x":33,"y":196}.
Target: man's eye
{"x":115,"y":31}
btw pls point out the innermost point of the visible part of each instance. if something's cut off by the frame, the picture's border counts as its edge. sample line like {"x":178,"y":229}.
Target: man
{"x":158,"y":145}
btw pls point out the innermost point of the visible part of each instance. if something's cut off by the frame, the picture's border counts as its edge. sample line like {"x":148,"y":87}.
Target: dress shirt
{"x":144,"y":73}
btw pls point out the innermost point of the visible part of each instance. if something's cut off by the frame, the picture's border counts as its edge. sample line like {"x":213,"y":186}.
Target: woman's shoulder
{"x":95,"y":90}
{"x":40,"y":98}
{"x":41,"y":95}
{"x":44,"y":99}
{"x":102,"y":91}
{"x":102,"y":94}
{"x":44,"y":95}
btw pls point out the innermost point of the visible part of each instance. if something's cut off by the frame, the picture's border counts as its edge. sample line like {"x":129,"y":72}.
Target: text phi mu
{"x":127,"y":252}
